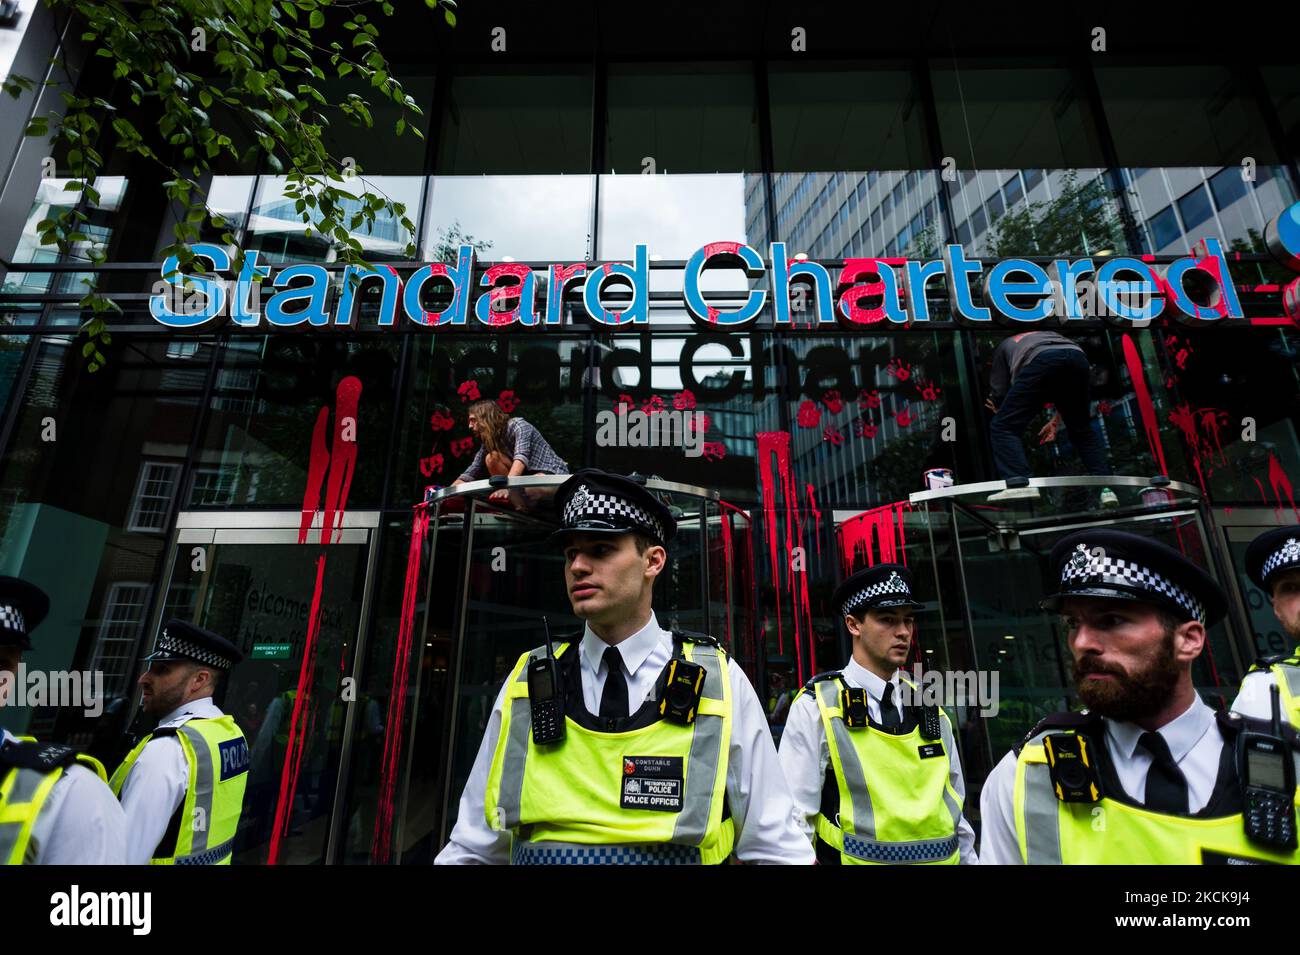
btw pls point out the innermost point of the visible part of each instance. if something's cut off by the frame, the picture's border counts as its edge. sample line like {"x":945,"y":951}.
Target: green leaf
{"x":279,"y":54}
{"x":86,"y":349}
{"x":401,"y":126}
{"x":316,"y":20}
{"x":449,"y":17}
{"x":205,"y":98}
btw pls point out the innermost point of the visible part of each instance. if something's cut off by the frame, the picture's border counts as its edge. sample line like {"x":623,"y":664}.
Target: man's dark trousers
{"x":1058,"y":375}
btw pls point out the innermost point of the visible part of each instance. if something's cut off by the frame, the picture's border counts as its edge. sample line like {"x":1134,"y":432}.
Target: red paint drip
{"x":1145,"y":405}
{"x":346,"y":401}
{"x":316,"y":467}
{"x":778,"y":443}
{"x":394,"y":728}
{"x":880,"y":527}
{"x":293,"y":754}
{"x":1280,"y":482}
{"x":812,"y":507}
{"x":727,"y":556}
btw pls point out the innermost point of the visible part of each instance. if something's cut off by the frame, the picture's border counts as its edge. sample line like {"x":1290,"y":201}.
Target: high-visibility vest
{"x":651,"y":794}
{"x":202,"y":832}
{"x":28,"y":771}
{"x":896,"y":804}
{"x":1115,"y":830}
{"x":1286,"y":674}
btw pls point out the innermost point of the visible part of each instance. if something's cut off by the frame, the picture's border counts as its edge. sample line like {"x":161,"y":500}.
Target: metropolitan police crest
{"x":578,"y":502}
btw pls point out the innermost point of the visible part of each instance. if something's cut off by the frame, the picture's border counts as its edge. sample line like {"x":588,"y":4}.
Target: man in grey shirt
{"x":1029,"y":370}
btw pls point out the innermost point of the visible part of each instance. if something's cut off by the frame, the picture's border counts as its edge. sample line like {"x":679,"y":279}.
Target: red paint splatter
{"x":834,"y":404}
{"x":461,"y":446}
{"x":877,"y":534}
{"x":899,"y":369}
{"x":395,"y":726}
{"x":684,"y":400}
{"x":441,"y":421}
{"x":869,"y":399}
{"x":809,"y":415}
{"x":653,"y":405}
{"x":1134,"y":362}
{"x":431,"y":465}
{"x":507,"y":401}
{"x":903,"y":416}
{"x":928,"y":390}
{"x":625,"y":404}
{"x":713,"y":450}
{"x":468,"y":390}
{"x":865,"y":429}
{"x":701,"y":421}
{"x":834,"y":436}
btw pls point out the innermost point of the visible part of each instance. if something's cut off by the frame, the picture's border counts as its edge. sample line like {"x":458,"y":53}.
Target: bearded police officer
{"x":875,"y":774}
{"x":1273,"y":564}
{"x":55,"y":808}
{"x":182,"y":786}
{"x":631,"y":743}
{"x":1149,"y":773}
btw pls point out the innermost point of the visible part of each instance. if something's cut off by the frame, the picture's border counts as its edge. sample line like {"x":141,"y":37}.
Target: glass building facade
{"x":173,"y":480}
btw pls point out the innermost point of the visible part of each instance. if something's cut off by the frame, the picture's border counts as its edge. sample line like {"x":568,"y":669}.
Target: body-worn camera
{"x":682,"y":690}
{"x":853,"y":702}
{"x":1070,"y":762}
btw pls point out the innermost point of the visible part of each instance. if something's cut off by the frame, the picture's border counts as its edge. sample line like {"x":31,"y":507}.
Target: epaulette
{"x":42,"y":757}
{"x":1264,"y":664}
{"x":813,"y":681}
{"x":690,"y":636}
{"x":1233,"y":722}
{"x":1066,"y":720}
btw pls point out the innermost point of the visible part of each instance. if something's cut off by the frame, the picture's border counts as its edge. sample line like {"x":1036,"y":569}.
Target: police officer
{"x":55,"y":808}
{"x":876,"y":776}
{"x":1148,"y":773}
{"x":641,"y":774}
{"x":182,"y":786}
{"x":1273,"y":564}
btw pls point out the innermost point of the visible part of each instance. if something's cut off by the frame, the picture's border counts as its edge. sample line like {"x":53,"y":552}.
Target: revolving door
{"x":488,"y":575}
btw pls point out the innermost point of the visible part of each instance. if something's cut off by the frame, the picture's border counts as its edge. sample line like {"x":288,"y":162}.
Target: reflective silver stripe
{"x":706,"y":748}
{"x":855,"y":780}
{"x":208,"y":856}
{"x":516,"y":754}
{"x":25,"y":784}
{"x":204,"y":788}
{"x":900,"y":853}
{"x":570,"y":853}
{"x":1042,"y":815}
{"x":1292,"y":675}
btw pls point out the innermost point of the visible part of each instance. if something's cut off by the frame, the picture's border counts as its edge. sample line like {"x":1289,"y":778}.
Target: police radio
{"x":930,"y":727}
{"x":546,"y":696}
{"x":683,"y":687}
{"x":1267,"y":774}
{"x":1069,"y":761}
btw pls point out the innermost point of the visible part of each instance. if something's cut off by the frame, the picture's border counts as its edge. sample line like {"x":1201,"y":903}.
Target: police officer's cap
{"x":180,"y":640}
{"x":1271,"y":554}
{"x":597,"y":502}
{"x":880,"y":587}
{"x":22,"y":607}
{"x":1124,"y":566}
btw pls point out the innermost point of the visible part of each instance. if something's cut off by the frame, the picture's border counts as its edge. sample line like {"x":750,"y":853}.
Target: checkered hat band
{"x":582,"y":508}
{"x":891,"y":587}
{"x":169,"y":644}
{"x":1124,"y":573}
{"x":11,"y":618}
{"x":1288,"y":555}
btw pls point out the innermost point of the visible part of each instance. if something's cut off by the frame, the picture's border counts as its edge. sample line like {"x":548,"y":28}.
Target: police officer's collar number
{"x":652,"y":782}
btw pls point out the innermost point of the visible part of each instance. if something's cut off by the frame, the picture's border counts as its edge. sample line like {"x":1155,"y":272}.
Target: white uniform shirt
{"x":157,"y":782}
{"x":1195,"y":743}
{"x":805,"y":755}
{"x":761,"y":808}
{"x":80,"y":823}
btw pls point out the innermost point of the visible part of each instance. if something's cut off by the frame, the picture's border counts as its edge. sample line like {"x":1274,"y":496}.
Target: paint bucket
{"x":937,"y":478}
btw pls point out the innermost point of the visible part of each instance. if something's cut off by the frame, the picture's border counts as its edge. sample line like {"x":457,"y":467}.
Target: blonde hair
{"x":490,"y":413}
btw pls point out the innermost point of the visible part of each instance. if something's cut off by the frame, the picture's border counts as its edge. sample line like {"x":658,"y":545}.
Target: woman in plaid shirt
{"x":511,"y":446}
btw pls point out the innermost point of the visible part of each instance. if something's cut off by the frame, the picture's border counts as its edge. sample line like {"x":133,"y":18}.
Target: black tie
{"x":613,"y":700}
{"x":889,"y":717}
{"x":1166,"y":785}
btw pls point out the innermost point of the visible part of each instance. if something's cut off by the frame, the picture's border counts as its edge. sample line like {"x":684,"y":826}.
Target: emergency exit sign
{"x":271,"y":651}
